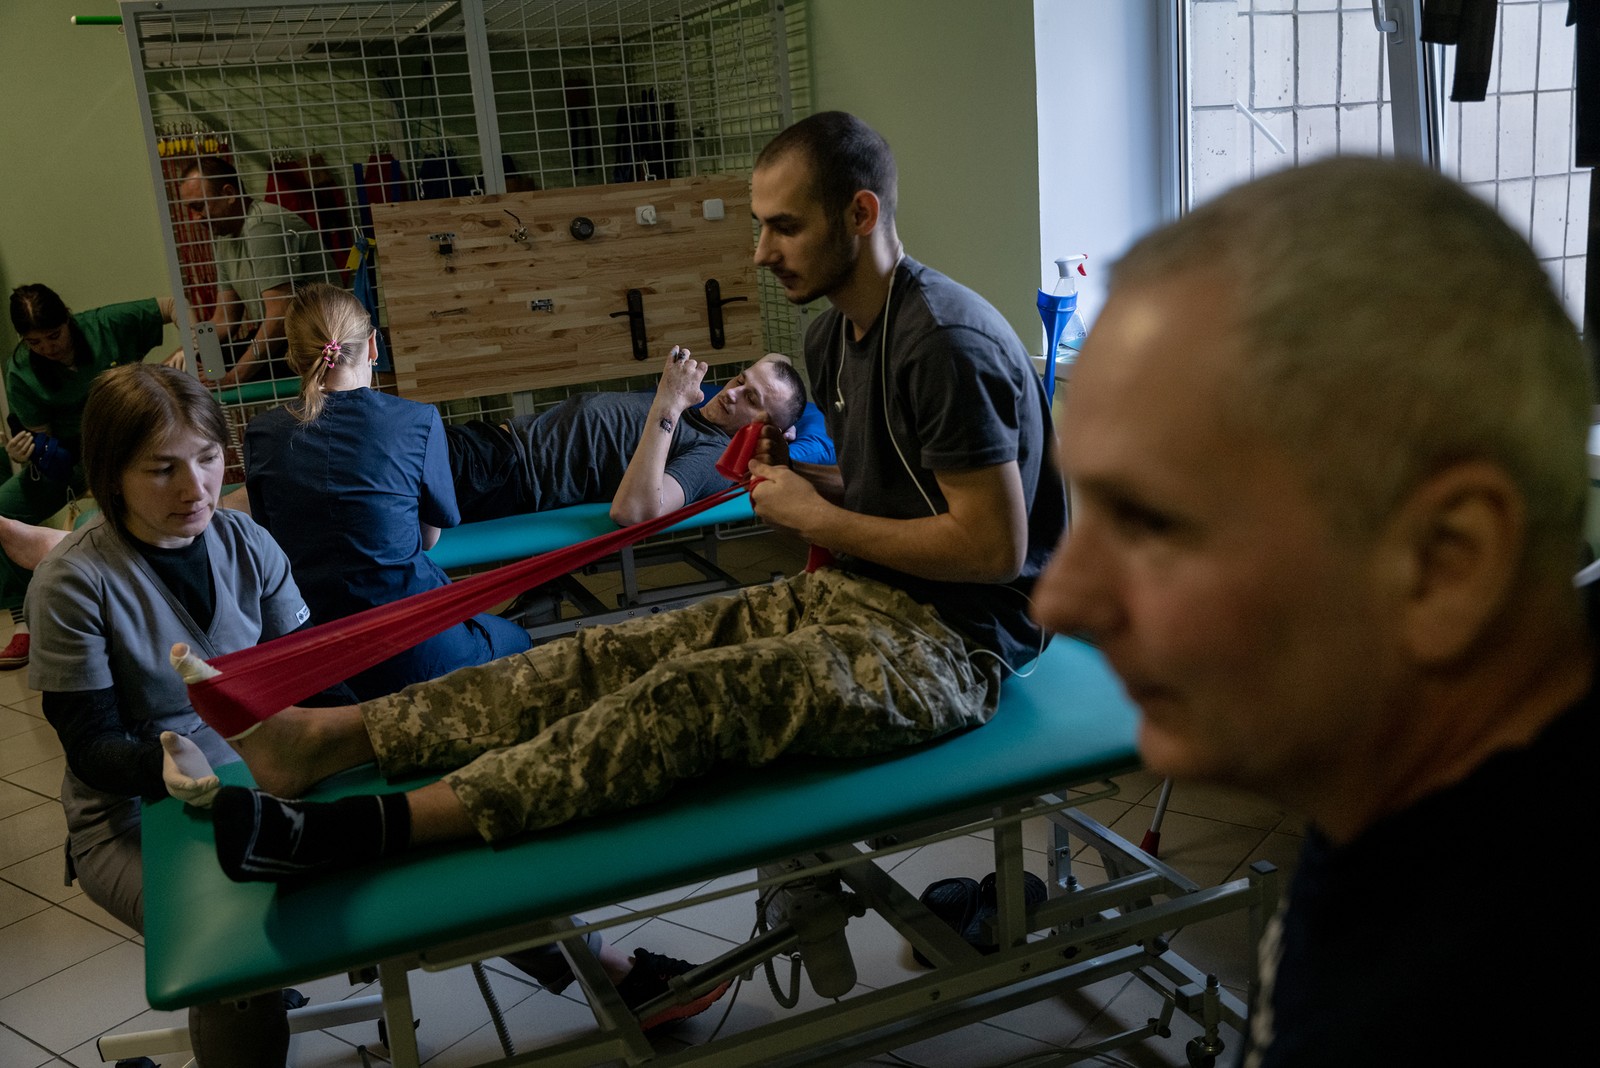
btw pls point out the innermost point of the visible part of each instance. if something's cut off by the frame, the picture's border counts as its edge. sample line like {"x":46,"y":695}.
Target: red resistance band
{"x":258,"y":682}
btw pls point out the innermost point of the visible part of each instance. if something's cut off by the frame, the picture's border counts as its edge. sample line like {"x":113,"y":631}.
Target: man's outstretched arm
{"x":646,"y":490}
{"x":268,"y":336}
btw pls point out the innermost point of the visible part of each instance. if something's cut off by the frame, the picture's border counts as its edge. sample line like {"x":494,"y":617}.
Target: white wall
{"x":950,"y":83}
{"x":77,"y":211}
{"x":1024,"y":130}
{"x":1106,"y":173}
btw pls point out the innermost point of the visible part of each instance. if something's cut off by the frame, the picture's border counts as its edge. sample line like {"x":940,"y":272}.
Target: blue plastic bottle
{"x":1064,"y":327}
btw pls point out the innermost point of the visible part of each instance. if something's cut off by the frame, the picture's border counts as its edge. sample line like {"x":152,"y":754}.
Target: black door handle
{"x":635,"y":314}
{"x":714,"y":302}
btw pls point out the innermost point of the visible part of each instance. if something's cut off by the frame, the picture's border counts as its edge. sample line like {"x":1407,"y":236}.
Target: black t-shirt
{"x":186,"y":573}
{"x":953,"y":390}
{"x":1454,"y":933}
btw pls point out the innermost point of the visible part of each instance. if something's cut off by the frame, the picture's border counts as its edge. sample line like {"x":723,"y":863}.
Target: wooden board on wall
{"x":462,"y":323}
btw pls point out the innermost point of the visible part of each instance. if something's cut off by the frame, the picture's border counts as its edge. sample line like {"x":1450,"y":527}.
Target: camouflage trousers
{"x":824,"y":664}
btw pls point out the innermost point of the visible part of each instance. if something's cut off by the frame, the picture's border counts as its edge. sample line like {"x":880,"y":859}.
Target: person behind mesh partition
{"x":262,"y":252}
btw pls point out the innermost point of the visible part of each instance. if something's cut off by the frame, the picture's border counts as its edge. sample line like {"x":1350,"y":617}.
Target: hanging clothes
{"x":289,"y":187}
{"x":330,"y":210}
{"x":583,"y":127}
{"x":1584,"y":18}
{"x":381,"y":181}
{"x":441,"y":176}
{"x":646,"y":136}
{"x":1469,"y":25}
{"x":648,"y":140}
{"x":362,"y":269}
{"x":622,"y":167}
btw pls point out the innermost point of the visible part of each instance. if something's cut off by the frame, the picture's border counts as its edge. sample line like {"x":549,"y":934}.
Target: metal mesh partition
{"x":1274,"y":83}
{"x":1515,"y":147}
{"x":302,"y":115}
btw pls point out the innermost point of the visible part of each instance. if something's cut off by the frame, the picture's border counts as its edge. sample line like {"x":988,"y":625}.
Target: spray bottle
{"x":1063,"y":325}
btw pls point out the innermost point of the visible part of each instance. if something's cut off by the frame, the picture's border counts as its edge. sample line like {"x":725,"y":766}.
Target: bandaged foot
{"x":261,"y":838}
{"x":186,"y":771}
{"x":190,"y":668}
{"x":291,"y":750}
{"x":221,"y":713}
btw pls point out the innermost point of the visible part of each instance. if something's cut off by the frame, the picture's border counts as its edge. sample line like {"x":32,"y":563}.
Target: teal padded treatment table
{"x":1068,"y":723}
{"x":515,"y":537}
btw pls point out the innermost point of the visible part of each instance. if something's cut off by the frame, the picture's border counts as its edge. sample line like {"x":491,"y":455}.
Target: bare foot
{"x":27,"y":545}
{"x":291,"y":752}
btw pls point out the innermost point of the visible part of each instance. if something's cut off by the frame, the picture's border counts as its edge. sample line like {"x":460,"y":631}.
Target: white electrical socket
{"x":713,"y":209}
{"x":645,"y":215}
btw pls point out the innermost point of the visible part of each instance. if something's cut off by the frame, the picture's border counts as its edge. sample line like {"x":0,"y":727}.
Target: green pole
{"x":97,"y":20}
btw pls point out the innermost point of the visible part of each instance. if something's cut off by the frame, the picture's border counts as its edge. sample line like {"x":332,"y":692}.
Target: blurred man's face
{"x":1250,"y":635}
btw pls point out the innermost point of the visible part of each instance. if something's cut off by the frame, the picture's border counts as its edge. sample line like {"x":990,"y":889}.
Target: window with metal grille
{"x":1274,"y":83}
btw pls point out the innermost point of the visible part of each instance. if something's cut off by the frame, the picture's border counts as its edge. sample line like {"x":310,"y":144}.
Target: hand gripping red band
{"x":258,"y":682}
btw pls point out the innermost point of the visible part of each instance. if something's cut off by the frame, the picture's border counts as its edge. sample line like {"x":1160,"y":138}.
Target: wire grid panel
{"x":1275,"y":83}
{"x":322,"y":109}
{"x":1515,"y":148}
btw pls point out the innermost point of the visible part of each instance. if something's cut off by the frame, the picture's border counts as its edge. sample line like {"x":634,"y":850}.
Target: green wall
{"x":76,"y":208}
{"x":951,"y":84}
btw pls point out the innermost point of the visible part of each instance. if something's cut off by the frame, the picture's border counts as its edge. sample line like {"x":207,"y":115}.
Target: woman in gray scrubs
{"x":159,"y":564}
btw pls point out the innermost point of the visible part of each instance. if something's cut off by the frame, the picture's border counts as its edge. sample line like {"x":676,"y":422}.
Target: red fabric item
{"x":257,"y":683}
{"x":383,"y":180}
{"x":734,"y":463}
{"x":818,"y":557}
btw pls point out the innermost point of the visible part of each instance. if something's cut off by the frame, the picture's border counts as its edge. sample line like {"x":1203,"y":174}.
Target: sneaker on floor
{"x":650,"y":978}
{"x":955,"y":901}
{"x":15,"y":655}
{"x":979,"y":931}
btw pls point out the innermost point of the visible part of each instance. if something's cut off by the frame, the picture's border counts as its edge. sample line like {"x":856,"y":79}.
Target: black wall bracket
{"x":714,"y":302}
{"x":635,"y":314}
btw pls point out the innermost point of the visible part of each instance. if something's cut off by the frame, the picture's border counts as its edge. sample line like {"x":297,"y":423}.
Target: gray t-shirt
{"x":101,"y":619}
{"x":274,"y":248}
{"x":579,"y":450}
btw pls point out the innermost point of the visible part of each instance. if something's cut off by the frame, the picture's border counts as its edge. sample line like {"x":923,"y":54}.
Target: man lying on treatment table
{"x":647,"y":455}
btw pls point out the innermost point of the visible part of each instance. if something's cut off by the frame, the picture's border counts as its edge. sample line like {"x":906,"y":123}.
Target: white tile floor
{"x":69,"y":973}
